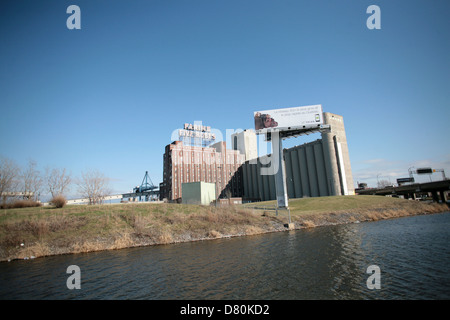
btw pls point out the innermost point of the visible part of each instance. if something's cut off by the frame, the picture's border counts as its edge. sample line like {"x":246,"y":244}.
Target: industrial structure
{"x":315,"y":169}
{"x":146,"y":191}
{"x":318,"y":168}
{"x":146,"y":185}
{"x":198,"y":192}
{"x":193,"y":163}
{"x":245,"y":142}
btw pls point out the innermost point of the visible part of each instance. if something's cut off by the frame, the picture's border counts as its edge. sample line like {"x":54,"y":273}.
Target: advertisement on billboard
{"x":289,"y":118}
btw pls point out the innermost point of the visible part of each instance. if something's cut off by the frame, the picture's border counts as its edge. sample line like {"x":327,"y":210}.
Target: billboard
{"x":424,"y":171}
{"x":405,"y":180}
{"x":289,"y":118}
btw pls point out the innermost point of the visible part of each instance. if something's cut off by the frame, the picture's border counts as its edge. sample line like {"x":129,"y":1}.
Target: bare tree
{"x":57,"y":181}
{"x":384,"y":183}
{"x":228,"y":193}
{"x":31,"y":180}
{"x":9,"y":172}
{"x":94,"y":186}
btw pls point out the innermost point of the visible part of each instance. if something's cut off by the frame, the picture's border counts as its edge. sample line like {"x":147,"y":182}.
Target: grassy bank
{"x":47,"y":231}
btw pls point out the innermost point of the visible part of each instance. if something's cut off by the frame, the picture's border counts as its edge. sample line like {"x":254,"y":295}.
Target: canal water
{"x":412,"y":253}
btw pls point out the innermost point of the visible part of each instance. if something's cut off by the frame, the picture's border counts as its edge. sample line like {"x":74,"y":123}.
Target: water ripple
{"x":320,"y":263}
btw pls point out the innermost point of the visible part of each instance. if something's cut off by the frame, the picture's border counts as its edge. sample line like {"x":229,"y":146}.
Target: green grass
{"x":337,"y":203}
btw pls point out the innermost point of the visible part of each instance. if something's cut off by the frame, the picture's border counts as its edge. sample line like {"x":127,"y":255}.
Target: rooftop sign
{"x":196,"y":135}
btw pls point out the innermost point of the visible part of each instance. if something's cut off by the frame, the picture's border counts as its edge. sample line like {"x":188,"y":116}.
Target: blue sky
{"x":108,"y":96}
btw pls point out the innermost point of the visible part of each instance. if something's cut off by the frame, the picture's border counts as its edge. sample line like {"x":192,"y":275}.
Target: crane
{"x":146,"y":185}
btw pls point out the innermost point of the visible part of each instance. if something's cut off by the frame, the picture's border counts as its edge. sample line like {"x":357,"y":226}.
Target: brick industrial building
{"x":213,"y":164}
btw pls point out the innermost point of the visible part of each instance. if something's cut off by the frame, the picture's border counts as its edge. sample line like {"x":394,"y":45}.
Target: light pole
{"x":410,"y":171}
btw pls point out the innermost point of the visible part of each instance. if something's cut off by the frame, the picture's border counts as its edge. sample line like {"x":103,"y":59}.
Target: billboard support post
{"x":284,"y":123}
{"x":280,"y":174}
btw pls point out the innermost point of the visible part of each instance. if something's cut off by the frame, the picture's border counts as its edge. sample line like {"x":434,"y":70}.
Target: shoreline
{"x":37,"y":232}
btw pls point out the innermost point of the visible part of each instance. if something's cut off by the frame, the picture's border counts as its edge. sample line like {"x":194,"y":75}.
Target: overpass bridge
{"x":438,"y":189}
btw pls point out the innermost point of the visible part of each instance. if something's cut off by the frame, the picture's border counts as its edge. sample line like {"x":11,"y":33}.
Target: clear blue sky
{"x":108,"y":96}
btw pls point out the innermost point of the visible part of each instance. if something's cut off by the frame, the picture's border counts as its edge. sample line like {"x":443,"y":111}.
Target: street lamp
{"x":410,"y":171}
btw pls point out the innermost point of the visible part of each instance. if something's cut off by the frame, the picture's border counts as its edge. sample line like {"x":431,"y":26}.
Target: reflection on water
{"x":320,"y":263}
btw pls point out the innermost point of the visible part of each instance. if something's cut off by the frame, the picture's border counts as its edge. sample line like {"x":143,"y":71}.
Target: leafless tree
{"x":94,"y":186}
{"x":9,"y":172}
{"x":384,"y":183}
{"x":228,"y":193}
{"x":32,"y":180}
{"x":57,"y":181}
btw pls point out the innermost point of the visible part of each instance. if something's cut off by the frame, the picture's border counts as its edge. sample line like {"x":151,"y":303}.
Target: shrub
{"x":20,"y":204}
{"x":26,"y":204}
{"x":58,"y":201}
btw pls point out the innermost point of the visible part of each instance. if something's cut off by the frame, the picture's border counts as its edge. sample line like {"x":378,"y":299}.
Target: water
{"x":413,"y":254}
